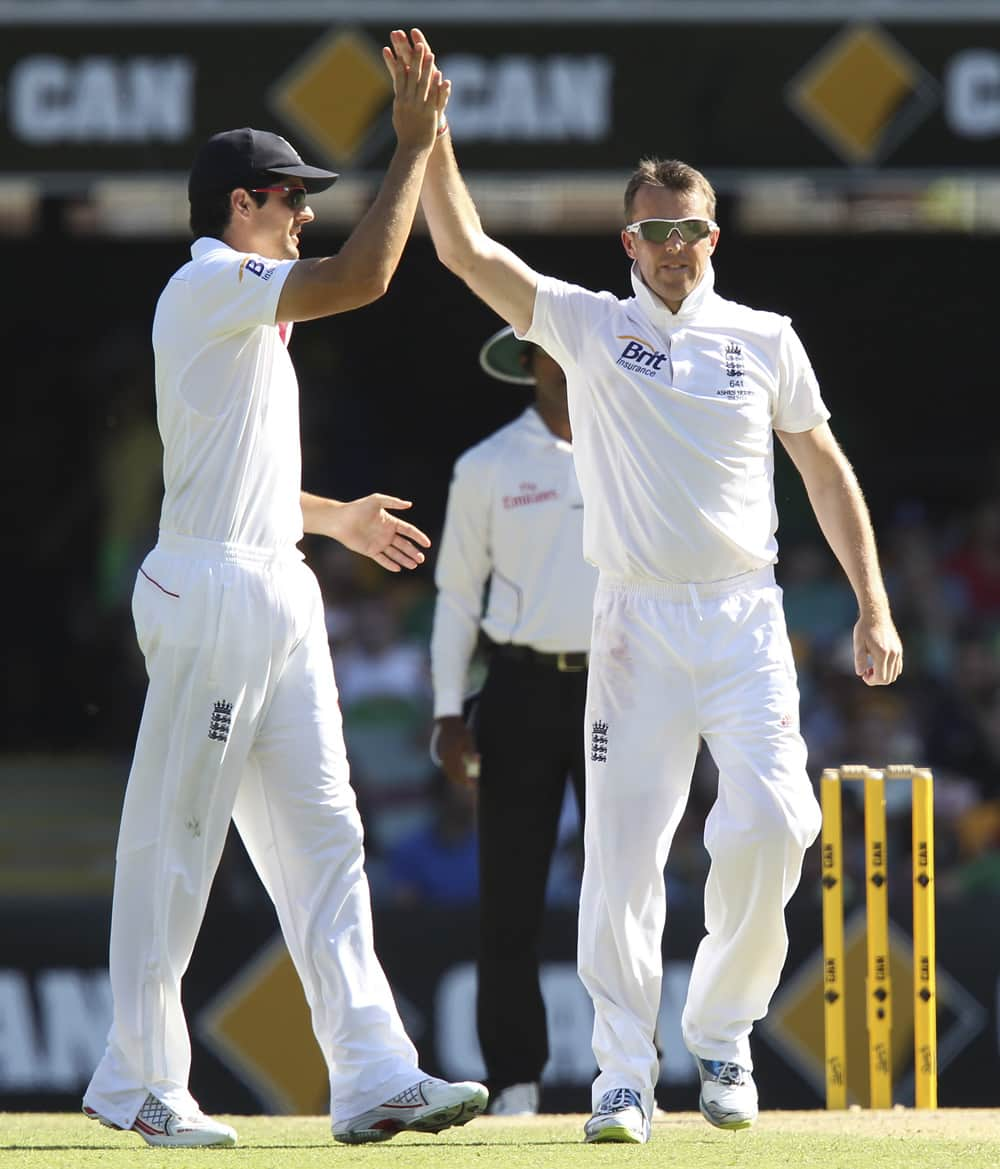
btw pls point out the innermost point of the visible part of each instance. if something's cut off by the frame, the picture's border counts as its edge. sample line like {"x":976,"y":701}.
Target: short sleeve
{"x":233,"y":291}
{"x":564,"y":317}
{"x":800,"y":406}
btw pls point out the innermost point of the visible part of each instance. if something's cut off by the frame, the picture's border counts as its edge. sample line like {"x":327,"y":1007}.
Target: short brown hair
{"x":671,"y":174}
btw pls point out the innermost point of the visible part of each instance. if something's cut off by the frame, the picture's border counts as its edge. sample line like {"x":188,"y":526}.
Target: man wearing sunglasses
{"x":241,"y":720}
{"x":675,"y":395}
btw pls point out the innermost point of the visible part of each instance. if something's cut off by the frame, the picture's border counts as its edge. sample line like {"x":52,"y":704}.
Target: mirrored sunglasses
{"x":658,"y":231}
{"x":295,"y":197}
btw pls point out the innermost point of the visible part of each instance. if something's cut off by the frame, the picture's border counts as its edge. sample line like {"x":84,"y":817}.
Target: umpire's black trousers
{"x":530,"y":735}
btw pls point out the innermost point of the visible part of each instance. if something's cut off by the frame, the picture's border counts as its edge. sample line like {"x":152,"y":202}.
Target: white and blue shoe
{"x":728,"y":1094}
{"x":619,"y":1119}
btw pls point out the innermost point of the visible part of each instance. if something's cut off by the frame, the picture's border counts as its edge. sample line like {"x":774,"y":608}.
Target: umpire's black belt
{"x":565,"y":663}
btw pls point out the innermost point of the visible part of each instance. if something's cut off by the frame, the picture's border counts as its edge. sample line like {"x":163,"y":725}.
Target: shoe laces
{"x":729,"y":1073}
{"x":618,"y":1099}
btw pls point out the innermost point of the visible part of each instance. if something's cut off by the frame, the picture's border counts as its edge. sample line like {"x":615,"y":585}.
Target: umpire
{"x":511,"y":577}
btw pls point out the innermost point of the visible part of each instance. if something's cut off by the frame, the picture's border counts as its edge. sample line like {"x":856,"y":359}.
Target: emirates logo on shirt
{"x":527,"y":494}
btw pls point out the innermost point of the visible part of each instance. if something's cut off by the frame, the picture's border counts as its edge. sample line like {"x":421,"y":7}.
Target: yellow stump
{"x":924,"y":944}
{"x":834,"y":1019}
{"x":878,"y":985}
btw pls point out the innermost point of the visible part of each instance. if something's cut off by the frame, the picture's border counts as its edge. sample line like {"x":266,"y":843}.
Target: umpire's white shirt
{"x":515,"y":521}
{"x":227,"y":402}
{"x":676,"y":410}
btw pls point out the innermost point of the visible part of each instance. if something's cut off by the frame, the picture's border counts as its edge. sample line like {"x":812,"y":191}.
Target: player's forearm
{"x":376,"y":245}
{"x":451,"y":215}
{"x":361,"y":271}
{"x":320,"y":516}
{"x":843,"y":517}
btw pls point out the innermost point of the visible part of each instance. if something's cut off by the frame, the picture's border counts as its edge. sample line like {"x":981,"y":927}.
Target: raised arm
{"x":362,"y":269}
{"x":493,"y":272}
{"x":843,"y":517}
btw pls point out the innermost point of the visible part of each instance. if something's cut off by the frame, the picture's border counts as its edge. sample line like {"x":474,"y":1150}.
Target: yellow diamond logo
{"x":335,"y":95}
{"x":259,"y":1026}
{"x":863,"y":93}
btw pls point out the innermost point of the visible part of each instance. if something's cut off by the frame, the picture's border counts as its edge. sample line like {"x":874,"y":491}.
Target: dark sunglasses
{"x":658,"y":231}
{"x":295,"y":197}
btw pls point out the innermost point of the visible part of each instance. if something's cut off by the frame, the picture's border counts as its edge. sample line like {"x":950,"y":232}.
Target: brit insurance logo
{"x":639,"y":356}
{"x":863,"y":93}
{"x":256,"y":267}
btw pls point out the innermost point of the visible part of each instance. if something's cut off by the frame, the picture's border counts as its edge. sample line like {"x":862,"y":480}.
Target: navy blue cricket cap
{"x":244,"y":158}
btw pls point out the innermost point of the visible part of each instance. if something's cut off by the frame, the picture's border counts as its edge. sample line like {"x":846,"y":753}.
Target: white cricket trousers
{"x":671,"y":664}
{"x":241,"y":722}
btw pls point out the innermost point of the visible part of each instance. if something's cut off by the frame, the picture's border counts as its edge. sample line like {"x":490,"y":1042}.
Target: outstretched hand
{"x":421,"y":93}
{"x":366,"y":526}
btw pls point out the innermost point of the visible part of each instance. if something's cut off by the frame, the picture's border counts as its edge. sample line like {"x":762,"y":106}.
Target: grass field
{"x":900,"y":1139}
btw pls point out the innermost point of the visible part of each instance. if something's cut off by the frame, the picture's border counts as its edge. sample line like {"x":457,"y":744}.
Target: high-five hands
{"x":421,"y":92}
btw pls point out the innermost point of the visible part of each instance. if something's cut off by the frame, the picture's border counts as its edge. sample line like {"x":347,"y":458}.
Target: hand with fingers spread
{"x":366,"y":526}
{"x":878,"y":651}
{"x":421,"y":93}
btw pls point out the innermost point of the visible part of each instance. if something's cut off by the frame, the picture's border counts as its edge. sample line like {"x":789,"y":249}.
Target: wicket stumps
{"x":878,"y":982}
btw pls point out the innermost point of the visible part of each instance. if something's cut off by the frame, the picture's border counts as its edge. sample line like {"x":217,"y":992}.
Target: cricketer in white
{"x":674,"y":397}
{"x":241,"y":720}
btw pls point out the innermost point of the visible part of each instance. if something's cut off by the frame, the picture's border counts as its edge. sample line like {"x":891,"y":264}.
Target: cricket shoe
{"x":619,"y":1118}
{"x":158,"y":1124}
{"x":728,"y":1094}
{"x":516,"y":1100}
{"x":427,"y":1106}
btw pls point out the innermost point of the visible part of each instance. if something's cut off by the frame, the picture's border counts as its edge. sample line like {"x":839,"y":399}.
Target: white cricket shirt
{"x":672,"y":417}
{"x":515,"y":522}
{"x":227,"y":401}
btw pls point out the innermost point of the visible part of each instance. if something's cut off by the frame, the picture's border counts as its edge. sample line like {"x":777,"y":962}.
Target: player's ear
{"x":628,"y":243}
{"x":713,"y":241}
{"x":240,"y":201}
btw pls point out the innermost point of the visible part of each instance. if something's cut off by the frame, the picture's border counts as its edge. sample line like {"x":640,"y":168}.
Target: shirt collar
{"x":205,"y":244}
{"x":658,"y":311}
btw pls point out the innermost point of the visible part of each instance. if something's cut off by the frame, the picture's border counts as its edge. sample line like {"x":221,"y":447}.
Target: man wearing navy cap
{"x":241,"y":721}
